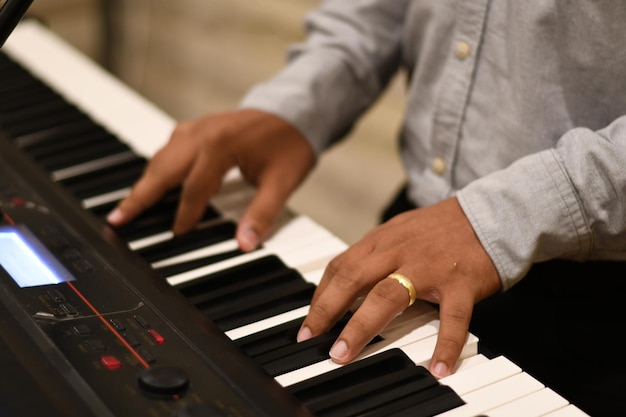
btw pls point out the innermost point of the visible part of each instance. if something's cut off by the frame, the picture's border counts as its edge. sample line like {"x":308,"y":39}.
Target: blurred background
{"x":190,"y":57}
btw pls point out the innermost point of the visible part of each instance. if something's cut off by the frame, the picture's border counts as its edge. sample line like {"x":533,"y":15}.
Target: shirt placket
{"x":456,"y":90}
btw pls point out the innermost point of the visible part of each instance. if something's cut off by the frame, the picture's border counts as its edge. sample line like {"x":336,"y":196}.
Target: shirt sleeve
{"x":568,"y":202}
{"x":351,"y":52}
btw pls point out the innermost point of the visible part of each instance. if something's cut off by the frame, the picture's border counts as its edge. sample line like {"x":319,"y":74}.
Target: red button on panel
{"x":156,"y":336}
{"x":110,"y":362}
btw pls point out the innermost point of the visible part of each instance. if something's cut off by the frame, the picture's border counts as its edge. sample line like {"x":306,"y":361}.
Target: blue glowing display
{"x":27,"y":260}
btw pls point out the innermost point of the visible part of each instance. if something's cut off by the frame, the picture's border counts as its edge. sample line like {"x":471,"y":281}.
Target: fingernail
{"x":304,"y":334}
{"x":115,"y":216}
{"x":440,"y":370}
{"x":339,"y":351}
{"x":249,"y":240}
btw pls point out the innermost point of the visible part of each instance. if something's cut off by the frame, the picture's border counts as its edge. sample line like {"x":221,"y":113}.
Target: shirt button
{"x":438,"y":165}
{"x":462,"y":50}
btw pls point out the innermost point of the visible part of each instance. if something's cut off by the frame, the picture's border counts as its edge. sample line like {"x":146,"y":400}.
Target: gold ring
{"x":406,"y":283}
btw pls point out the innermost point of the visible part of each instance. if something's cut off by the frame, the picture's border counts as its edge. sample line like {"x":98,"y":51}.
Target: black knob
{"x":200,"y":410}
{"x":163,"y":381}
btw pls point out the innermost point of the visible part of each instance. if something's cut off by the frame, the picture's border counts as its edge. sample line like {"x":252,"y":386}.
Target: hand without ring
{"x":406,"y":283}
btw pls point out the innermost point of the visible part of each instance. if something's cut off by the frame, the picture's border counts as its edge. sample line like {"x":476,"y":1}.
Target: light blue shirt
{"x":515,"y":107}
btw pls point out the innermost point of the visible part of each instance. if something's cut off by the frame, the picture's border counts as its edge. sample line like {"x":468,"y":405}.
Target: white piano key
{"x":300,"y":258}
{"x":425,"y":331}
{"x":314,"y":276}
{"x":101,"y":199}
{"x":418,"y":309}
{"x":157,"y":238}
{"x":569,"y":411}
{"x":216,"y":249}
{"x":298,"y":232}
{"x":144,"y":242}
{"x":313,"y":257}
{"x":494,"y":395}
{"x":474,"y":378}
{"x":216,"y":267}
{"x":422,"y":351}
{"x":533,"y":405}
{"x":268,"y":323}
{"x":467,"y":363}
{"x":93,"y":165}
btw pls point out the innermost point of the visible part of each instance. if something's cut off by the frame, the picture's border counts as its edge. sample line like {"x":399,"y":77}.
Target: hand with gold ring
{"x":430,"y":254}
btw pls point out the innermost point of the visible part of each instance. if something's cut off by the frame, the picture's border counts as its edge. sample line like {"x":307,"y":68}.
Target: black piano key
{"x":374,"y":386}
{"x":63,"y":142}
{"x":416,"y":377}
{"x":294,"y":355}
{"x":179,"y":268}
{"x":265,"y":304}
{"x":270,"y":339}
{"x":15,"y":82}
{"x":79,"y":155}
{"x":102,"y":210}
{"x":273,"y":339}
{"x":200,"y":289}
{"x":42,"y":133}
{"x":250,"y":287}
{"x":32,"y":98}
{"x":157,"y":219}
{"x":427,"y":403}
{"x":298,"y":355}
{"x":191,"y":241}
{"x":35,"y":110}
{"x":43,"y":122}
{"x":248,"y":292}
{"x":20,"y":97}
{"x":104,"y":180}
{"x":56,"y":135}
{"x":366,"y":394}
{"x":321,"y":391}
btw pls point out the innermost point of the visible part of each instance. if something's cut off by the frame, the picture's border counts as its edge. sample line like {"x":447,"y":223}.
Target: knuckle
{"x":455,"y":316}
{"x":450,"y":343}
{"x":321,"y":318}
{"x":358,"y":327}
{"x":344,"y":272}
{"x":387,"y":292}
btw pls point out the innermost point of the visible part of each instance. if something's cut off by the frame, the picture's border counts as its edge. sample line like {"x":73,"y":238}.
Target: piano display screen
{"x":27,"y":261}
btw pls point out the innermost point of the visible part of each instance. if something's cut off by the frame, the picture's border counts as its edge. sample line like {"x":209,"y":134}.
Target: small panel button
{"x":82,"y":330}
{"x":95,"y":345}
{"x":110,"y":362}
{"x":141,"y":321}
{"x":147,"y":356}
{"x":69,"y":309}
{"x":117,"y":325}
{"x":56,"y":295}
{"x":156,"y":336}
{"x":132,"y":340}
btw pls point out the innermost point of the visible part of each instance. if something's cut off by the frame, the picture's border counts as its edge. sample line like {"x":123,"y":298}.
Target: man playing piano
{"x":514,"y":143}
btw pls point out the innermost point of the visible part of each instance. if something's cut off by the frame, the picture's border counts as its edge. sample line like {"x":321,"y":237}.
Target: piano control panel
{"x":101,"y":335}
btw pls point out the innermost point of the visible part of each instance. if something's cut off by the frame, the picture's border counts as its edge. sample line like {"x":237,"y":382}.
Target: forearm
{"x":568,"y":202}
{"x":352,"y":50}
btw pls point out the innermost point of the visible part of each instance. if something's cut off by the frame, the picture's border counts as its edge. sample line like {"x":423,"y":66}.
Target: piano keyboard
{"x":93,"y":135}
